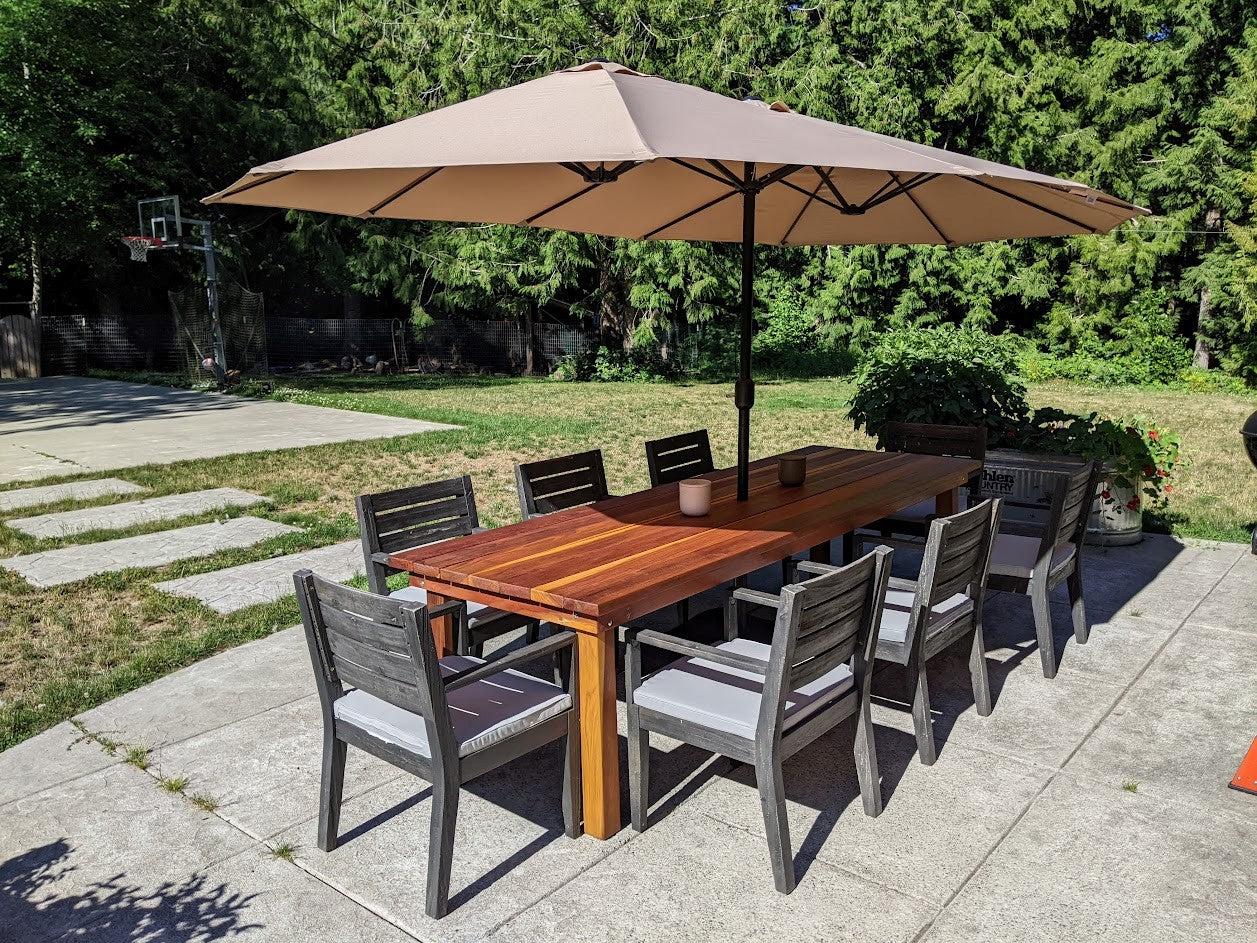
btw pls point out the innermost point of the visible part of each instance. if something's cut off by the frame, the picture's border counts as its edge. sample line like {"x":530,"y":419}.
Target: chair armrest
{"x":521,"y":656}
{"x":755,"y":597}
{"x":380,"y":558}
{"x":683,"y":646}
{"x":816,"y":569}
{"x":898,"y":582}
{"x":448,"y":608}
{"x":480,"y":530}
{"x":1018,"y":528}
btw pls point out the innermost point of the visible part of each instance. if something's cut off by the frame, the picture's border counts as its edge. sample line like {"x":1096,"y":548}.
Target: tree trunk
{"x":37,"y":283}
{"x":1204,"y":347}
{"x":530,"y":339}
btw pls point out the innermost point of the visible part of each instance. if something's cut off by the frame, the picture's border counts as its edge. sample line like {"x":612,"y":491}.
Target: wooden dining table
{"x":595,"y":568}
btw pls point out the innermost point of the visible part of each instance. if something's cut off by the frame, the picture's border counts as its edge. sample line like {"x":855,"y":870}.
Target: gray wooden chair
{"x":908,"y":527}
{"x":1033,"y":559}
{"x":383,"y":690}
{"x":556,"y":484}
{"x":393,"y":521}
{"x":677,"y":457}
{"x":923,"y":617}
{"x":762,"y":703}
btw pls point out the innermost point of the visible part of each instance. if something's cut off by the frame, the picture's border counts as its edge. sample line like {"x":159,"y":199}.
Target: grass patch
{"x":1130,"y":786}
{"x":137,"y":757}
{"x":69,"y":648}
{"x":285,"y":851}
{"x":174,"y":783}
{"x":203,"y":801}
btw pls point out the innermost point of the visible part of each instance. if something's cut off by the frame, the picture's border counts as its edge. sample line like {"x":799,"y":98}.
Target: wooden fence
{"x":19,"y":347}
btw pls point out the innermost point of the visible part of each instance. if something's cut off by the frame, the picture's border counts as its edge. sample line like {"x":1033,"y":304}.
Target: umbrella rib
{"x":257,"y":183}
{"x":402,"y":192}
{"x":921,"y":210}
{"x":732,"y":177}
{"x":1032,"y":204}
{"x":706,"y":173}
{"x":904,"y":190}
{"x":819,"y":199}
{"x":694,"y":212}
{"x":843,"y":205}
{"x":803,"y":209}
{"x":563,"y":202}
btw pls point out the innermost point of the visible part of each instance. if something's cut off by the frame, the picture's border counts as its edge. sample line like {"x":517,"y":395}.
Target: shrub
{"x":941,"y":375}
{"x":606,"y":365}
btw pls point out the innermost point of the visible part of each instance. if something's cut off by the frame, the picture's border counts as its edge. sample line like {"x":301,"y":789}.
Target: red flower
{"x":1106,"y":495}
{"x":1149,"y":471}
{"x":1161,"y":473}
{"x":1132,"y":504}
{"x":1153,"y":434}
{"x":1168,"y":488}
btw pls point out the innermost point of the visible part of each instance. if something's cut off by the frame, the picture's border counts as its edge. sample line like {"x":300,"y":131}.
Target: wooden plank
{"x":442,"y":626}
{"x":600,"y":745}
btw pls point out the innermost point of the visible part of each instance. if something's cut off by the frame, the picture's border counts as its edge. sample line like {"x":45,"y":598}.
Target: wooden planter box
{"x":1026,"y":476}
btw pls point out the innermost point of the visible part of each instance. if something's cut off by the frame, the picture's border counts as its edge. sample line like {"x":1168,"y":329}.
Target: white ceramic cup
{"x":695,"y":497}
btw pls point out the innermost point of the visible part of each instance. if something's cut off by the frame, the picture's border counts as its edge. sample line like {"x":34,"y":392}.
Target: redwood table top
{"x":620,"y":558}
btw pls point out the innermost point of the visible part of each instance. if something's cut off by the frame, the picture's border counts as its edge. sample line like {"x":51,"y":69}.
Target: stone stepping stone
{"x":74,"y":490}
{"x":266,"y":580}
{"x":130,"y":513}
{"x":55,"y":567}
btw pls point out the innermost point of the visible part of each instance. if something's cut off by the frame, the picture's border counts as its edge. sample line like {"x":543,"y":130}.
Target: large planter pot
{"x":1027,"y":477}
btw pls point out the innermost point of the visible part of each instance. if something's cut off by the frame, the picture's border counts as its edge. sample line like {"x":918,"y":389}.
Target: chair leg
{"x":850,"y":545}
{"x":733,"y":619}
{"x":921,"y":719}
{"x":1043,"y":627}
{"x":1078,"y":608}
{"x":683,"y":612}
{"x":866,"y":762}
{"x":331,"y":790}
{"x":572,"y":796}
{"x":772,"y":797}
{"x":441,"y":846}
{"x":639,"y":771}
{"x":532,"y":632}
{"x":787,"y":571}
{"x":977,"y":670}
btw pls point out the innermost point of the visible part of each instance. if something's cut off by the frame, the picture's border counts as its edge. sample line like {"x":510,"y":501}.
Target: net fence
{"x":242,"y":318}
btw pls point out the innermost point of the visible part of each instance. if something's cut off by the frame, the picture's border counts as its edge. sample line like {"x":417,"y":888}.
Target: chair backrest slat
{"x":823,"y":623}
{"x":957,"y":559}
{"x":378,"y":645}
{"x":556,"y":484}
{"x":393,"y":521}
{"x":677,"y":457}
{"x":938,"y":439}
{"x":1076,"y":495}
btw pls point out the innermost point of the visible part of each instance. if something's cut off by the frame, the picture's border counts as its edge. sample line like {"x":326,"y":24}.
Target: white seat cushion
{"x":728,"y":699}
{"x":1016,"y":555}
{"x":898,"y":611}
{"x":477,"y":613}
{"x":483,"y":713}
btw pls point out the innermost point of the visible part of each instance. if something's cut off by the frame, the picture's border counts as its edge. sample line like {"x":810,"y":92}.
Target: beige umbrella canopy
{"x":602,"y":149}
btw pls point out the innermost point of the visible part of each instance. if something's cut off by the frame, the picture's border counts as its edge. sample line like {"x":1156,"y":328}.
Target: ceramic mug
{"x":792,"y":469}
{"x":695,"y":497}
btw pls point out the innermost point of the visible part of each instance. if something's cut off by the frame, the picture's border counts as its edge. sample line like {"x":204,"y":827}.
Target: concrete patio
{"x":1090,"y":806}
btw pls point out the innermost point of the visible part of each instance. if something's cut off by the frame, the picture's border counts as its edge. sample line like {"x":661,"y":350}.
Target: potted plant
{"x":1139,"y":458}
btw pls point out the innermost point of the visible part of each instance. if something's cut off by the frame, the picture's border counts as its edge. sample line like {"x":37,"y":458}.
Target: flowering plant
{"x":1143,"y":456}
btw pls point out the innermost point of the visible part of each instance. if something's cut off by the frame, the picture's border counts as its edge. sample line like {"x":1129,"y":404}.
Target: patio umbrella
{"x":603,"y":149}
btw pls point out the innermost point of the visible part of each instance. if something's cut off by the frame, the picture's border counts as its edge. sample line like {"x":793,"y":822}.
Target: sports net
{"x":243,"y":320}
{"x":140,"y":246}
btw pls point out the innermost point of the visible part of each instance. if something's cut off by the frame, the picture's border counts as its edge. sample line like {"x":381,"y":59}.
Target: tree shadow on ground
{"x":39,"y":900}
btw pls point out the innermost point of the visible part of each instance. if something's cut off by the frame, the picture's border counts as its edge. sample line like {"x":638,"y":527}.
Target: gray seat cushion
{"x":477,"y":613}
{"x":482,"y":714}
{"x":728,"y":699}
{"x":898,"y":611}
{"x":1016,"y":555}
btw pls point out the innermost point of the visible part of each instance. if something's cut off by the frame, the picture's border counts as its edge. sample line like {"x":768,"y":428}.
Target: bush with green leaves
{"x":607,"y":365}
{"x":957,"y":376}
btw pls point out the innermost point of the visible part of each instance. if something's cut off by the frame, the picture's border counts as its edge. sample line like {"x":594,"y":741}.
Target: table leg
{"x":820,"y":553}
{"x":442,"y":628}
{"x":947,"y":503}
{"x":600,"y":742}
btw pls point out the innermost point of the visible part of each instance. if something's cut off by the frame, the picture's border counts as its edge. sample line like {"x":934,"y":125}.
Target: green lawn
{"x":66,"y":649}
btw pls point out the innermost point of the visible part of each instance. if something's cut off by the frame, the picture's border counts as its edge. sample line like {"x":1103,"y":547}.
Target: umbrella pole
{"x":744,"y":389}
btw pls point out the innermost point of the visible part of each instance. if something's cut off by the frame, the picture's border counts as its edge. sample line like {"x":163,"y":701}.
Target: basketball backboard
{"x":160,"y":218}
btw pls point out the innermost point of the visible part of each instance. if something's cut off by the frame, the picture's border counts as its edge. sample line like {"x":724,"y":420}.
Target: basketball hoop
{"x":140,"y":246}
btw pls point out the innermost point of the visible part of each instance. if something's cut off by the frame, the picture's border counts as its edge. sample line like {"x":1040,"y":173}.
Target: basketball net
{"x":140,"y":246}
